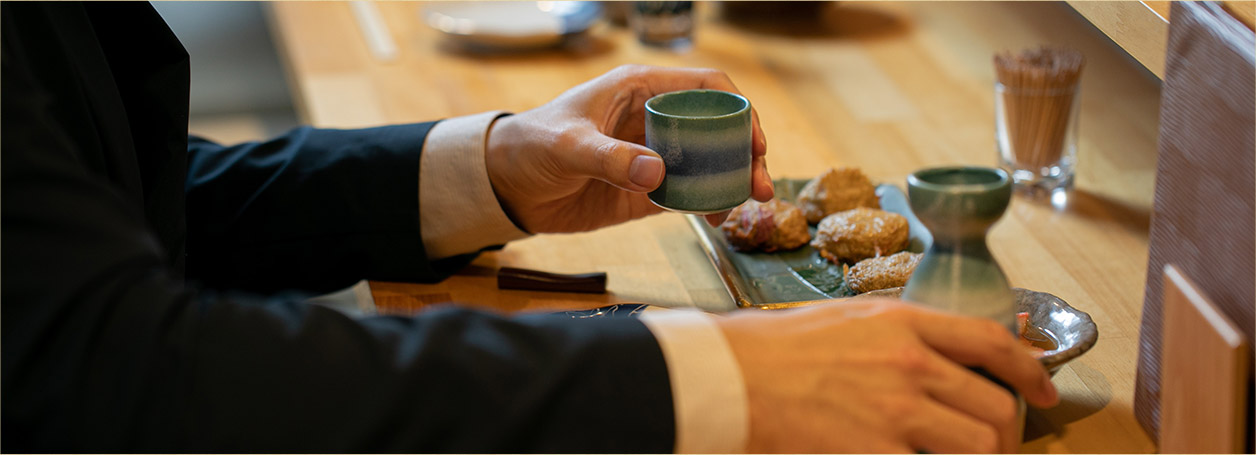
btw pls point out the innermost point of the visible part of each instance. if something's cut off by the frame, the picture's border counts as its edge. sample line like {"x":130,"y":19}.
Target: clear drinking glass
{"x":1036,"y":132}
{"x":663,"y":24}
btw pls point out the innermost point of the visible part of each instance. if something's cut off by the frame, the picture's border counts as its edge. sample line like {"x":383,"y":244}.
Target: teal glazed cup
{"x":704,"y":137}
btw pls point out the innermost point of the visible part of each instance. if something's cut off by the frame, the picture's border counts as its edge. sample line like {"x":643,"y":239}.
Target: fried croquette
{"x":882,"y":272}
{"x":766,"y":226}
{"x":837,"y":190}
{"x":861,"y":233}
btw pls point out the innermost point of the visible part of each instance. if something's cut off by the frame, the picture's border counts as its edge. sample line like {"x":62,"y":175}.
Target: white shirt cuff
{"x":458,"y":211}
{"x":708,"y":392}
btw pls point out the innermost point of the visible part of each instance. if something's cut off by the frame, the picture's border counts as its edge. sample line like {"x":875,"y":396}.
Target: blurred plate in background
{"x":510,"y":25}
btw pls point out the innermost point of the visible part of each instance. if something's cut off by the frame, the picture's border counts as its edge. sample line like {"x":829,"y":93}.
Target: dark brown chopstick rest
{"x":534,"y":280}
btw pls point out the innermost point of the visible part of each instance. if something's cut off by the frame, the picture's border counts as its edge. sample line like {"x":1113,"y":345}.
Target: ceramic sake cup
{"x":704,"y":137}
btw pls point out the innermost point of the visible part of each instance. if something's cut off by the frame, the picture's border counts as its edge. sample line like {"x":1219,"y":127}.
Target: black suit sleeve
{"x":106,"y":350}
{"x":314,"y":209}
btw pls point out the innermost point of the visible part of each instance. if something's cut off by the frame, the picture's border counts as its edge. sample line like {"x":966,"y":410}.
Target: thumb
{"x":629,"y":166}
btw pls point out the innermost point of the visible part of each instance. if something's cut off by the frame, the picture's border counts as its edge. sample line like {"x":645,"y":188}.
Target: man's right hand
{"x":579,"y":162}
{"x":880,"y":375}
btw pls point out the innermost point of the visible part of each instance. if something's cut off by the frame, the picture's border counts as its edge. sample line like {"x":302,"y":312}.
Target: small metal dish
{"x":1070,"y":330}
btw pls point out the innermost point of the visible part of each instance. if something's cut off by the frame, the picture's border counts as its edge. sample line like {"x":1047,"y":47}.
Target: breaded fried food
{"x":837,"y":190}
{"x":882,"y":272}
{"x":861,"y":233}
{"x":766,"y":226}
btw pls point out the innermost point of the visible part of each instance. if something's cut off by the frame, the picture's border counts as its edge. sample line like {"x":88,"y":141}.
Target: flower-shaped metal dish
{"x":1066,"y":332}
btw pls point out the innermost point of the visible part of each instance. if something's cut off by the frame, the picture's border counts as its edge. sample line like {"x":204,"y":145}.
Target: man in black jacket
{"x":143,"y":279}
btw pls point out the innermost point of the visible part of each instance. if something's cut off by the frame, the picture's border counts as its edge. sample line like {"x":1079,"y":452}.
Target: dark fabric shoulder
{"x":122,"y":99}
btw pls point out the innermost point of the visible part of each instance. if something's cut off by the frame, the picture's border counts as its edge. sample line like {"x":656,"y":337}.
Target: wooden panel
{"x":1204,"y":373}
{"x":1138,"y":27}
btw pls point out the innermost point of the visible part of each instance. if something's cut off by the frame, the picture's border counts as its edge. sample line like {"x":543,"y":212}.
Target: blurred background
{"x":238,"y":88}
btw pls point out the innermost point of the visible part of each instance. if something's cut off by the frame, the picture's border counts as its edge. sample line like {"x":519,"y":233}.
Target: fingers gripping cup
{"x":704,"y":137}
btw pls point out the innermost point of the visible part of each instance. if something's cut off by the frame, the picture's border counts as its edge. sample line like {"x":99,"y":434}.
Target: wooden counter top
{"x":887,"y":87}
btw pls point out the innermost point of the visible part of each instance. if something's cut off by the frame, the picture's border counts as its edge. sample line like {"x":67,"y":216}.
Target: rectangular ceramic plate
{"x":791,"y":278}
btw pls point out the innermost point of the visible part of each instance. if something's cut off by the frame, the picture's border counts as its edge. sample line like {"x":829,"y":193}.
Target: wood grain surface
{"x":888,"y":87}
{"x":1141,"y":28}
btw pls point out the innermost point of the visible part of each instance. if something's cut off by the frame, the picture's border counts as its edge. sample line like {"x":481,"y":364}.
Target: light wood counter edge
{"x":1140,"y":28}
